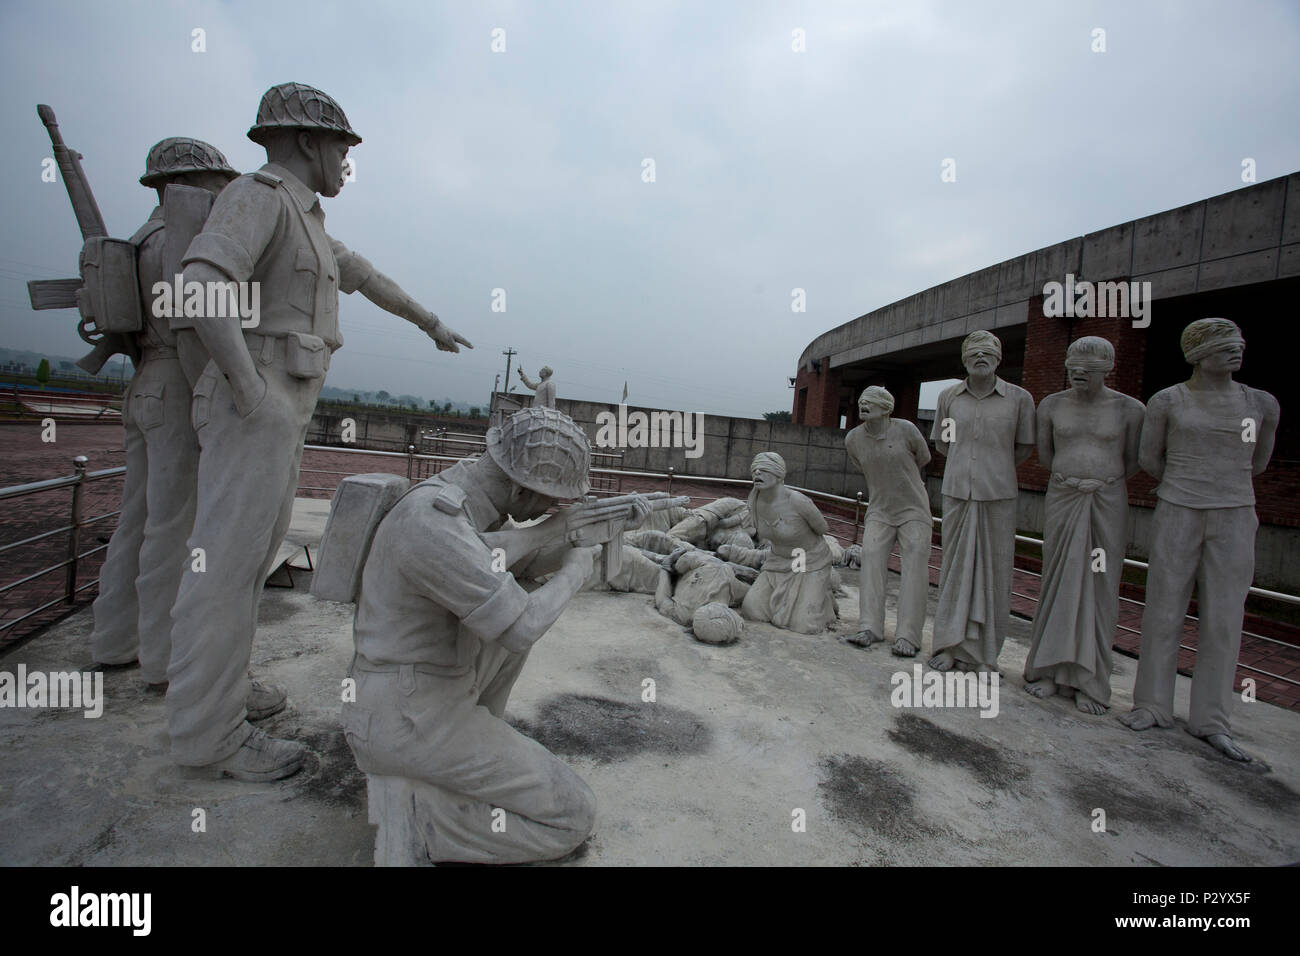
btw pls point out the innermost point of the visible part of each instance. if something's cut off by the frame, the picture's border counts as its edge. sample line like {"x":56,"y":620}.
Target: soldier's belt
{"x":368,"y":666}
{"x":151,"y":352}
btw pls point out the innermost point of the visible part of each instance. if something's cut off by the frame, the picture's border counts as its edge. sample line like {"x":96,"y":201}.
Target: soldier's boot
{"x":261,"y":758}
{"x":264,"y":700}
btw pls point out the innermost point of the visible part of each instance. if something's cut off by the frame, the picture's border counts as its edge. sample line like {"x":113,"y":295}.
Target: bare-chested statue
{"x":1088,"y":439}
{"x":544,"y":388}
{"x":1205,"y":439}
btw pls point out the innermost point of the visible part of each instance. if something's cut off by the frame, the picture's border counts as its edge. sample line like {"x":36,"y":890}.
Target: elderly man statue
{"x":1088,"y":439}
{"x":984,"y":426}
{"x":892,"y":455}
{"x":1205,"y":439}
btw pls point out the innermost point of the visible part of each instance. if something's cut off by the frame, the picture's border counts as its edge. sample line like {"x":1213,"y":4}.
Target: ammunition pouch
{"x":305,"y":356}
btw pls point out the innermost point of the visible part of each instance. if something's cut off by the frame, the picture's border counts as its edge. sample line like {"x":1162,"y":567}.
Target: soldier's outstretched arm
{"x":547,"y":602}
{"x":528,"y":381}
{"x":356,"y":274}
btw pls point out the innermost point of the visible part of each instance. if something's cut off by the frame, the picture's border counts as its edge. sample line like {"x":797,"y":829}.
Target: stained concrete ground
{"x":713,"y":771}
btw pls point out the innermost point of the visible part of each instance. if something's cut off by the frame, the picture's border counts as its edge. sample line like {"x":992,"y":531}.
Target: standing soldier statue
{"x":545,"y":388}
{"x":252,"y":405}
{"x":139,"y":579}
{"x":1205,"y":439}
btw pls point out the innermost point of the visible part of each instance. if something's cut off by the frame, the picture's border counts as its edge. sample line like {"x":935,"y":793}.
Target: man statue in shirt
{"x":892,"y":455}
{"x":251,"y":408}
{"x":984,"y":427}
{"x":545,"y":388}
{"x":1205,"y":439}
{"x":442,"y":631}
{"x":146,"y":555}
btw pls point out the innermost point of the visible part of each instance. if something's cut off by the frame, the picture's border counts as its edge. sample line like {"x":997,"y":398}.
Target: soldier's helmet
{"x":298,"y":106}
{"x":180,"y":154}
{"x":543,"y":450}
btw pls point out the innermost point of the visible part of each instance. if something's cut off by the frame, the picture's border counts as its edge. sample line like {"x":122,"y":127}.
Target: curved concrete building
{"x":1235,"y":255}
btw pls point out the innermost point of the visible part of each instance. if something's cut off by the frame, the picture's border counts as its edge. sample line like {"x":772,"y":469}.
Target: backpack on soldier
{"x":358,"y":506}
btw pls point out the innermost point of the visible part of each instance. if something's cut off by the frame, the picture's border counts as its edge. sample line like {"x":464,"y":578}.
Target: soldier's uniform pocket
{"x":201,"y":404}
{"x":305,"y":356}
{"x":147,"y":406}
{"x":302,"y":288}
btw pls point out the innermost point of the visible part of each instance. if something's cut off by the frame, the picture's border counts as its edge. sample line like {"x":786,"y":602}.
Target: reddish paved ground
{"x":23,"y":458}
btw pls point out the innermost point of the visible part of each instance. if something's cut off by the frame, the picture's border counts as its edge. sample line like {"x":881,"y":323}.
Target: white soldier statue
{"x":984,"y":427}
{"x":892,"y":455}
{"x":443,"y":629}
{"x":251,"y":408}
{"x":545,"y":388}
{"x":1088,"y":439}
{"x":1205,"y":439}
{"x":147,"y":553}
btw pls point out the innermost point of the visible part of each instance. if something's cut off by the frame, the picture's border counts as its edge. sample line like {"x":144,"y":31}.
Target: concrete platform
{"x":712,"y":772}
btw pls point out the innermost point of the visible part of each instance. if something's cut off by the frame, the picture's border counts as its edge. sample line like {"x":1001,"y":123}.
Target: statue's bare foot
{"x":864,"y":638}
{"x":1045,"y":687}
{"x":942,"y":661}
{"x":1224,"y":744}
{"x":1138,"y":719}
{"x":1087,"y":705}
{"x":903,"y":648}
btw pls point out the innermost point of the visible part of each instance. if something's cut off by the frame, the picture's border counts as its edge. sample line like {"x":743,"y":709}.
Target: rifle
{"x":603,"y":521}
{"x":64,"y":293}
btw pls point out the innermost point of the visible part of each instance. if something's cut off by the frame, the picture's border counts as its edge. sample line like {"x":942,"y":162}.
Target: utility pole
{"x":509,"y":354}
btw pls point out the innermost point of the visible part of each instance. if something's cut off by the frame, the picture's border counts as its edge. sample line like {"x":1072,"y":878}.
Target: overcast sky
{"x":774,"y":169}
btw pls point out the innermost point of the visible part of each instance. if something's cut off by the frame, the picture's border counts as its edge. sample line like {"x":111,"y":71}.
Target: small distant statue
{"x":892,"y":455}
{"x":793,"y":590}
{"x":984,"y":427}
{"x":545,"y":388}
{"x":1205,"y":439}
{"x":1088,"y":439}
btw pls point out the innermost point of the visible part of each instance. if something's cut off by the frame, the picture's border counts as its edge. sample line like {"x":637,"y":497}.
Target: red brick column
{"x":823,"y":386}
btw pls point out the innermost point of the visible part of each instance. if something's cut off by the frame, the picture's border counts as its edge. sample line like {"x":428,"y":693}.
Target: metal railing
{"x":77,"y":482}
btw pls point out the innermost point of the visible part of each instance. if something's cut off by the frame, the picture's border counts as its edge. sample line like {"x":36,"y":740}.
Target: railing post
{"x":410,"y":462}
{"x":857,"y":511}
{"x":670,"y":479}
{"x":74,"y":537}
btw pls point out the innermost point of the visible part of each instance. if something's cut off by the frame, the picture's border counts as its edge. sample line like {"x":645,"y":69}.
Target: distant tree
{"x":433,"y":404}
{"x":446,"y":408}
{"x":356,"y":399}
{"x":382,"y":395}
{"x":473,"y":412}
{"x":43,"y":372}
{"x":777,"y":416}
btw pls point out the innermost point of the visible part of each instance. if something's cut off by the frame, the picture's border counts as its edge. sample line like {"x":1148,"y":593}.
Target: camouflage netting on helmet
{"x":716,"y":624}
{"x":298,"y":106}
{"x":181,"y":154}
{"x":543,"y":450}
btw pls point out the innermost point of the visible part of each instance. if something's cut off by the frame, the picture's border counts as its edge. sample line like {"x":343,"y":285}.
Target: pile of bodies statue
{"x":1205,"y":439}
{"x":1088,"y":439}
{"x":892,"y":455}
{"x":441,"y":638}
{"x":984,"y":427}
{"x":544,"y":388}
{"x":251,"y":408}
